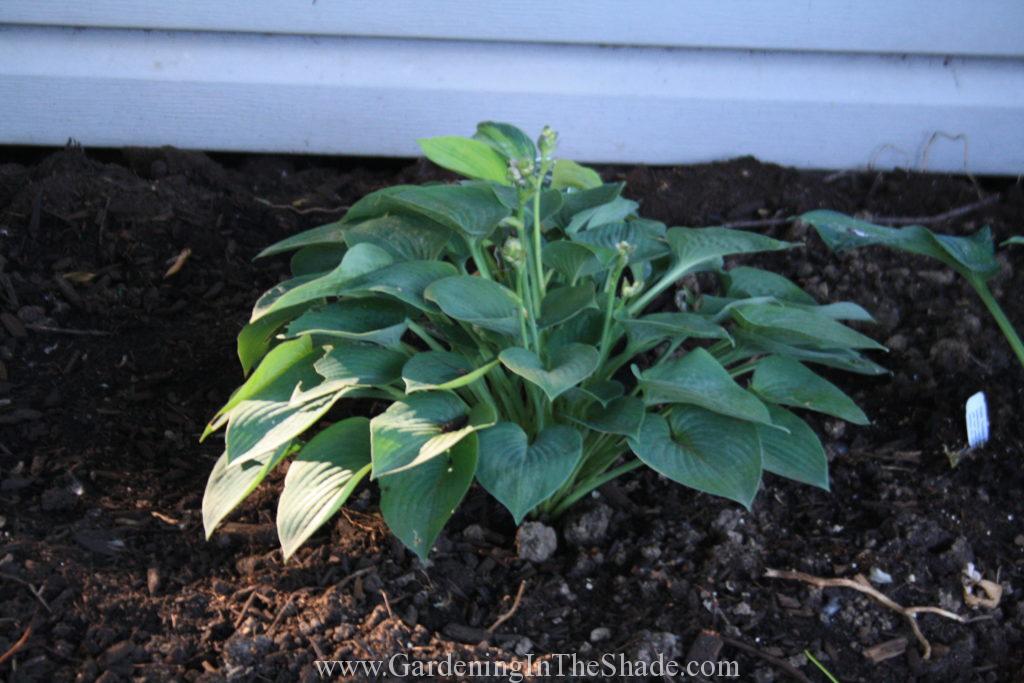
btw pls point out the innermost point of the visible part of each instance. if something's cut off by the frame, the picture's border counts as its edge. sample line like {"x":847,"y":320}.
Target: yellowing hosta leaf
{"x":230,"y":483}
{"x":417,"y":503}
{"x":706,"y":451}
{"x":468,"y":157}
{"x":507,"y":140}
{"x":568,"y":173}
{"x":787,"y":382}
{"x":423,"y":426}
{"x":698,"y":379}
{"x":522,"y":475}
{"x":320,"y":479}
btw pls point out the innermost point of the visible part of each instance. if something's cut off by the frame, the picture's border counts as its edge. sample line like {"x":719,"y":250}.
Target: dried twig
{"x":302,"y":212}
{"x":861,"y":584}
{"x":67,"y":330}
{"x":31,"y":589}
{"x":938,"y":218}
{"x":511,"y":610}
{"x":17,"y":646}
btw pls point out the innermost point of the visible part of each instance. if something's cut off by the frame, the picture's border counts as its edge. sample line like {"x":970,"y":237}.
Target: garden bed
{"x":111,"y":367}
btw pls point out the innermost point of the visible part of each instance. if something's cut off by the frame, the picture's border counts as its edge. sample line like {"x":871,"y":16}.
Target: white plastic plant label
{"x":977,"y":420}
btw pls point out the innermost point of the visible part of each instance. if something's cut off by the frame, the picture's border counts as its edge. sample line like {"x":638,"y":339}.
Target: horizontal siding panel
{"x":945,"y":27}
{"x":362,"y":96}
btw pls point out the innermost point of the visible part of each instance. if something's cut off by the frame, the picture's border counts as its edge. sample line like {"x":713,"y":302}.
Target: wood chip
{"x":887,"y":650}
{"x":179,"y":262}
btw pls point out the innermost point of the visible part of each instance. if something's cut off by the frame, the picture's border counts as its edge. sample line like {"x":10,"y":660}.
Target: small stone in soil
{"x":536,"y":542}
{"x":590,"y":527}
{"x":600,"y":634}
{"x":649,"y":645}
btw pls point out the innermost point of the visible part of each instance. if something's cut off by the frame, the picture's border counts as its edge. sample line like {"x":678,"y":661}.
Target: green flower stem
{"x":593,"y":483}
{"x":611,"y":285}
{"x":538,"y":262}
{"x":985,"y":294}
{"x":743,"y":369}
{"x":480,"y":259}
{"x":425,"y":336}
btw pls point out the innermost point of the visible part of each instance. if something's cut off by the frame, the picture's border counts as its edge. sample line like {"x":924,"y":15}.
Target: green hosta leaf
{"x":375,"y":204}
{"x":255,"y":338}
{"x":507,"y":140}
{"x":749,"y":345}
{"x":693,"y":248}
{"x":230,"y":483}
{"x":421,"y":427}
{"x":645,"y":237}
{"x":472,"y":209}
{"x":787,"y":382}
{"x":320,"y":479}
{"x":317,"y":259}
{"x":570,"y":174}
{"x":974,"y":254}
{"x":753,"y":282}
{"x":359,"y":260}
{"x":468,"y":157}
{"x":406,"y":238}
{"x":441,"y":370}
{"x":550,"y":204}
{"x":520,"y":475}
{"x":330,"y":234}
{"x":703,"y":450}
{"x":417,"y":503}
{"x":575,"y":202}
{"x":796,"y":453}
{"x":568,"y":366}
{"x":616,"y":210}
{"x":563,"y":303}
{"x":654,"y":328}
{"x":604,"y":392}
{"x":1016,"y":239}
{"x":799,"y":327}
{"x":406,"y":282}
{"x":584,"y":328}
{"x":381,"y":321}
{"x":721,"y":307}
{"x":623,"y":416}
{"x":698,"y":379}
{"x":573,"y":260}
{"x":258,"y":426}
{"x":478,"y":301}
{"x":285,"y":366}
{"x":352,"y":363}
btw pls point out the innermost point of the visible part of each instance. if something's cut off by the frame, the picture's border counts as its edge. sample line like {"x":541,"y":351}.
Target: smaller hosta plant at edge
{"x":507,"y":328}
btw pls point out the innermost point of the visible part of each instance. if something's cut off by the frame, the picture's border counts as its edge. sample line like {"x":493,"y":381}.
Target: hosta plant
{"x":517,"y":329}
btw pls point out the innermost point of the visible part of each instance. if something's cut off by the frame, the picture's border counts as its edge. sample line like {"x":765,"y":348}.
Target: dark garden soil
{"x":109,"y":369}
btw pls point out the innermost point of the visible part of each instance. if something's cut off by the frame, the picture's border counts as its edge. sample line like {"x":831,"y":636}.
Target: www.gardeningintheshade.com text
{"x":566,"y":665}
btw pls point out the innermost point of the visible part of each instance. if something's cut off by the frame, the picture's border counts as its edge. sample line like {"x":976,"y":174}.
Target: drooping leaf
{"x":421,"y":427}
{"x":507,"y":140}
{"x":466,"y":156}
{"x":375,"y":204}
{"x":704,"y":450}
{"x":562,"y":303}
{"x":575,"y":202}
{"x":795,"y":453}
{"x":789,"y":383}
{"x":354,"y":363}
{"x":330,"y":234}
{"x":471,"y":209}
{"x":622,"y":416}
{"x":693,"y":247}
{"x":258,"y":426}
{"x":614,"y":211}
{"x":405,"y":282}
{"x":320,"y":479}
{"x":478,"y":301}
{"x":719,"y":308}
{"x":800,"y":327}
{"x":230,"y":483}
{"x":521,"y":475}
{"x":698,"y":379}
{"x":441,"y":370}
{"x":255,"y":339}
{"x":747,"y":282}
{"x":573,"y":260}
{"x":404,"y":237}
{"x":567,"y":366}
{"x":567,"y":173}
{"x":604,"y":392}
{"x":974,"y":254}
{"x":749,"y":344}
{"x":377,"y":320}
{"x":316,"y":259}
{"x":417,"y":503}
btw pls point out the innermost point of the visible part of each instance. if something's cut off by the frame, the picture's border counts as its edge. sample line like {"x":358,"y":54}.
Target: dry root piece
{"x":979,"y":592}
{"x":861,"y":584}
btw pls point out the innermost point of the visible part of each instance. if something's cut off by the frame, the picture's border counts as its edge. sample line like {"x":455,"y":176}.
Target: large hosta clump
{"x":505,"y":328}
